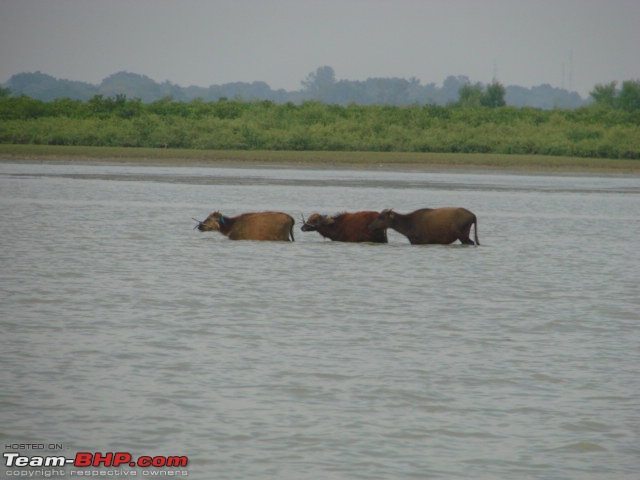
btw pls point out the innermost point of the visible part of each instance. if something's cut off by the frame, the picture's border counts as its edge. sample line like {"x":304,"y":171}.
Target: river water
{"x":122,"y":329}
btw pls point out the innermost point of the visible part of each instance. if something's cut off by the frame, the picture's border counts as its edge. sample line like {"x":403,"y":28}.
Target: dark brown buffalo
{"x":431,"y":225}
{"x":346,"y":227}
{"x":250,"y":226}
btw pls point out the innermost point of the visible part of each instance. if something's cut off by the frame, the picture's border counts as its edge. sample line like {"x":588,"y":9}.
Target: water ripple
{"x":123,"y":328}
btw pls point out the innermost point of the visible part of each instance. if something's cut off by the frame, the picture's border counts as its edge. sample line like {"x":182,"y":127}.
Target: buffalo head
{"x":384,"y":220}
{"x":211,"y":223}
{"x":316,"y":220}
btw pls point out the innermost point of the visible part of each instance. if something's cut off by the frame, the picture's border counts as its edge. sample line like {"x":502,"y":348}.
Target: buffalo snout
{"x":199,"y":224}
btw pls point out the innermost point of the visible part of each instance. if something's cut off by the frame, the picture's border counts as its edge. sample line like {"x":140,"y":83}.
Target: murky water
{"x":124,"y":330}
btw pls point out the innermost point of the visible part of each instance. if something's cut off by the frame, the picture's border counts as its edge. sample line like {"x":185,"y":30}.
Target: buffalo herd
{"x":424,"y":226}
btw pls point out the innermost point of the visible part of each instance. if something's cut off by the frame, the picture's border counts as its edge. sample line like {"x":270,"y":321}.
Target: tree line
{"x":476,"y":123}
{"x":320,"y":85}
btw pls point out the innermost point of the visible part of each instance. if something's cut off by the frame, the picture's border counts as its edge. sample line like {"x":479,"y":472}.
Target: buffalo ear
{"x":327,"y":220}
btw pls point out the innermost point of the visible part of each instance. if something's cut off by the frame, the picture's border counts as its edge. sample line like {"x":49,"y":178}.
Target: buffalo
{"x":431,"y":225}
{"x":250,"y":226}
{"x":346,"y":227}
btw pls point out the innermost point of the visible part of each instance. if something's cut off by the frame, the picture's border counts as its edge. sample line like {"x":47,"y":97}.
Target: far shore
{"x":317,"y":159}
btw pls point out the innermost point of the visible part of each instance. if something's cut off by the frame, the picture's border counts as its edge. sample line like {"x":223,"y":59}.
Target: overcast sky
{"x":570,"y":43}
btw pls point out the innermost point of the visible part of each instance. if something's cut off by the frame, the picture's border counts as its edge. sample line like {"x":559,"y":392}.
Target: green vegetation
{"x":476,"y":96}
{"x":627,"y":98}
{"x":599,"y":131}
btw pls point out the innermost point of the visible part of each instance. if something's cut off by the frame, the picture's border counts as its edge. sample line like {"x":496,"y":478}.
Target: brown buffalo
{"x":431,"y":225}
{"x":250,"y":226}
{"x":346,"y":227}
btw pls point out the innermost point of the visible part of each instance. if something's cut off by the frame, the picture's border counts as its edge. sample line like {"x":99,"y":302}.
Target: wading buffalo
{"x":431,"y":225}
{"x":250,"y":226}
{"x":346,"y":227}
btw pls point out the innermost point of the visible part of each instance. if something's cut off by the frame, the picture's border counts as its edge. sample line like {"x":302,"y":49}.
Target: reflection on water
{"x":125,"y":330}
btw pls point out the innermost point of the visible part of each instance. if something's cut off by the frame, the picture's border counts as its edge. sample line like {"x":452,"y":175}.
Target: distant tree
{"x":451,"y":88}
{"x":604,"y":94}
{"x":383,"y":91}
{"x":470,"y":95}
{"x":5,"y":92}
{"x":45,"y":87}
{"x":320,"y":85}
{"x":319,"y":80}
{"x":131,"y":85}
{"x":629,"y":96}
{"x":493,"y":97}
{"x":543,"y":96}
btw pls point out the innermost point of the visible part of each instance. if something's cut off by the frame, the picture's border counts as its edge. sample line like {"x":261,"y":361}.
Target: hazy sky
{"x":570,"y":43}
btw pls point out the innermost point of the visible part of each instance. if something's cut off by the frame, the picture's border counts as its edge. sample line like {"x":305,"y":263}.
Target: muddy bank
{"x":305,"y":159}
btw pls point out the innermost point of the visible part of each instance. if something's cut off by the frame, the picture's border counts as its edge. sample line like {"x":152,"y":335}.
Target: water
{"x":125,"y":330}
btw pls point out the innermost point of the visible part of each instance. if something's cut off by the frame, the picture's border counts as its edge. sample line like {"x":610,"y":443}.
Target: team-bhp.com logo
{"x":94,"y":460}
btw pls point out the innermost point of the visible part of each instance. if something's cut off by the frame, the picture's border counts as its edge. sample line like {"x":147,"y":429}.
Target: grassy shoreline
{"x":317,"y":159}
